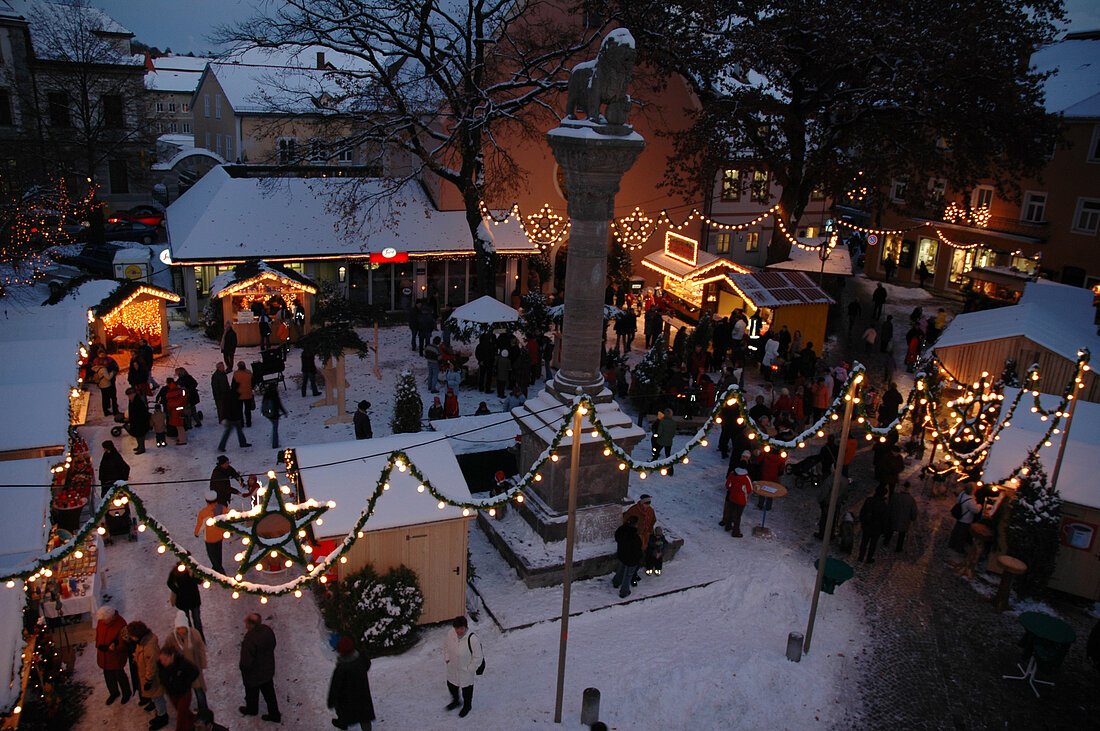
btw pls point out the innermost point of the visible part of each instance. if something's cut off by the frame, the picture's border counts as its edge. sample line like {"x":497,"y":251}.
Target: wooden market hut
{"x":1077,"y":570}
{"x":690,"y":275}
{"x":407,"y":527}
{"x":1049,"y":326}
{"x":134,"y":311}
{"x":261,"y":281}
{"x":781,"y":298}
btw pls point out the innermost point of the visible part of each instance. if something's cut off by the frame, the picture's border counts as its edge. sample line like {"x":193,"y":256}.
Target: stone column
{"x":594,"y":163}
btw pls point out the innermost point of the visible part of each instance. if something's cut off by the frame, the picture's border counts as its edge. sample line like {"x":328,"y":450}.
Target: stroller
{"x":807,"y":473}
{"x":119,"y":521}
{"x":121,"y":424}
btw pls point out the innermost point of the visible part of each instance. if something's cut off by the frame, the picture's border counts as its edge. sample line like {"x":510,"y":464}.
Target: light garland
{"x":633,"y":230}
{"x":266,"y":276}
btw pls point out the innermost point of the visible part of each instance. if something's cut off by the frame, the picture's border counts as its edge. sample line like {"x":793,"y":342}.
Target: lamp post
{"x":567,"y":572}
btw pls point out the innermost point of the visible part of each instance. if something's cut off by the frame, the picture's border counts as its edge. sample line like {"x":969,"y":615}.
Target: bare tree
{"x":443,"y":81}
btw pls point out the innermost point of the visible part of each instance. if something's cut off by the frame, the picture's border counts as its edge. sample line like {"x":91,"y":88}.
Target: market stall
{"x":132,"y":313}
{"x":690,"y":275}
{"x":257,"y":286}
{"x":76,"y":583}
{"x":779,"y":298}
{"x":408,"y":527}
{"x":482,"y":315}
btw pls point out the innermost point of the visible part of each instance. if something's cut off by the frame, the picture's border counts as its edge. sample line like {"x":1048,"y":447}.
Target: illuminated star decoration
{"x":273,"y":527}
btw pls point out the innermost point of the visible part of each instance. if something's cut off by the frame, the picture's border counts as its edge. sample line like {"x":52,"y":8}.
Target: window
{"x":185,"y":107}
{"x":808,"y":233}
{"x":1086,"y":219}
{"x":1094,"y":146}
{"x":722,"y":243}
{"x":936,"y":188}
{"x":171,"y":106}
{"x":346,"y":155}
{"x":229,"y":148}
{"x":752,"y":242}
{"x":927,"y":249}
{"x":981,"y":198}
{"x":317,"y":151}
{"x":206,"y":143}
{"x":113,"y":115}
{"x":817,"y":193}
{"x":59,"y":109}
{"x":206,"y":105}
{"x":760,"y":192}
{"x":1023,"y":264}
{"x":898,"y":188}
{"x":288,"y":151}
{"x":218,"y":106}
{"x":962,"y":261}
{"x":731,"y":185}
{"x":119,"y":179}
{"x":160,"y":106}
{"x":186,"y":128}
{"x":5,"y":109}
{"x":172,"y":127}
{"x":218,"y":142}
{"x":1035,"y":207}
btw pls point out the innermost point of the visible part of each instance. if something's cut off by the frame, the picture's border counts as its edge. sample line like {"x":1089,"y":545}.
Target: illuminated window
{"x":760,"y":193}
{"x":936,"y":188}
{"x":722,"y":243}
{"x":1023,"y":264}
{"x":927,"y":249}
{"x":752,"y":242}
{"x":731,"y":185}
{"x":1034,"y":209}
{"x":817,"y":193}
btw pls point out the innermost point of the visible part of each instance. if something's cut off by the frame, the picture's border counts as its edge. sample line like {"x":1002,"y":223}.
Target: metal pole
{"x":567,"y":573}
{"x":377,"y":368}
{"x":1065,"y":431}
{"x":828,"y":534}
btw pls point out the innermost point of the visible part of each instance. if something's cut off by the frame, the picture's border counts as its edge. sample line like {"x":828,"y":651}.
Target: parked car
{"x":149,"y":215}
{"x":126,"y":231}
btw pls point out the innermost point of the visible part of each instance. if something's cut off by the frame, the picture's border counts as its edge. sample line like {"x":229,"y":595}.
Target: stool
{"x":1009,"y":567}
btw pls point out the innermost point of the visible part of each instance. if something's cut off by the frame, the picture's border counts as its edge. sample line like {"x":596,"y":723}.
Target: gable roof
{"x":128,"y":289}
{"x":1056,"y":316}
{"x":226,"y":218}
{"x":264,"y":89}
{"x":242,"y":274}
{"x":778,"y":289}
{"x":1074,"y":89}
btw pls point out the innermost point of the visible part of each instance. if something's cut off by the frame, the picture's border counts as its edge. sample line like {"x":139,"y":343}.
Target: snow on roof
{"x":257,"y":89}
{"x":351,"y":483}
{"x":779,"y":289}
{"x":1081,"y":463}
{"x":181,"y":63}
{"x":184,"y":82}
{"x":662,"y":262}
{"x":248,"y":271}
{"x":52,"y":23}
{"x":1074,"y":90}
{"x":476,"y":434}
{"x":801,"y":260}
{"x":1056,"y":316}
{"x":188,"y":151}
{"x":12,"y":604}
{"x":26,"y":518}
{"x":227,"y":218}
{"x":485,"y":310}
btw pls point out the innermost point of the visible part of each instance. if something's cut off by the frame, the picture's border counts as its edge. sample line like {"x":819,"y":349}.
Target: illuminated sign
{"x":389,"y":255}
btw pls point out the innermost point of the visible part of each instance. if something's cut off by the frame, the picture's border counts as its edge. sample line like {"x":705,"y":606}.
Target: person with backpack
{"x":464,"y":658}
{"x":965,"y":511}
{"x":272,"y":409}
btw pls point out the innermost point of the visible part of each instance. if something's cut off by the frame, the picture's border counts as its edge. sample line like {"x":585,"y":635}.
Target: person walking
{"x":902,"y":514}
{"x":112,"y":468}
{"x":855,"y":311}
{"x":361,"y":421}
{"x":271,"y":406}
{"x":309,"y":371}
{"x":104,"y":373}
{"x":220,"y":476}
{"x":233,"y":417}
{"x":965,"y":511}
{"x":186,"y":597}
{"x":647,"y":518}
{"x":177,"y":674}
{"x":243,"y":378}
{"x":873,"y":519}
{"x":229,"y":345}
{"x":502,"y":371}
{"x":137,"y":418}
{"x":878,"y":298}
{"x":188,"y":642}
{"x":886,"y":335}
{"x":214,"y":534}
{"x":463,"y":656}
{"x":738,"y":489}
{"x":257,"y":665}
{"x":146,"y":654}
{"x":111,"y":653}
{"x":219,"y":389}
{"x":628,"y":549}
{"x":664,"y":431}
{"x":431,"y":356}
{"x":349,"y":688}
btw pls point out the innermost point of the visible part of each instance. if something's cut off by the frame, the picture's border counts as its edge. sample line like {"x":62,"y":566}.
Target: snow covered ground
{"x":707,"y":653}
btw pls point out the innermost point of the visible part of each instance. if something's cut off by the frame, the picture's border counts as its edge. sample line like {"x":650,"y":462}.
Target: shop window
{"x":1024,"y":264}
{"x":927,"y":249}
{"x":1086,"y":219}
{"x":985,"y":257}
{"x":891,"y":246}
{"x":962,"y":261}
{"x":752,"y":242}
{"x":1034,"y":209}
{"x":906,"y":253}
{"x":731,"y":184}
{"x":722,"y":243}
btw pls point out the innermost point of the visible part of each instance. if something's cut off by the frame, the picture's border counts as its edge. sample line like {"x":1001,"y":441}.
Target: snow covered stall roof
{"x":250,"y":272}
{"x":348,"y":472}
{"x":778,"y":289}
{"x":1056,"y":316}
{"x":231,"y":219}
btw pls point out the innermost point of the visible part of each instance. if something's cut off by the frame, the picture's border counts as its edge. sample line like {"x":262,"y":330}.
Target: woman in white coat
{"x":463,"y":656}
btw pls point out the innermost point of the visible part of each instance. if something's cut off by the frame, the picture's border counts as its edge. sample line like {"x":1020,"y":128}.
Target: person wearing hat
{"x":349,"y":688}
{"x":188,"y":643}
{"x":214,"y":533}
{"x":112,"y":468}
{"x":738,"y":489}
{"x":647,"y":518}
{"x":361,"y":421}
{"x":664,"y":431}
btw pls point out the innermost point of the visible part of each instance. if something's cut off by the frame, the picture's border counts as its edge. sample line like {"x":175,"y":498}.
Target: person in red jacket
{"x":111,"y":653}
{"x":738,"y":489}
{"x":176,"y":403}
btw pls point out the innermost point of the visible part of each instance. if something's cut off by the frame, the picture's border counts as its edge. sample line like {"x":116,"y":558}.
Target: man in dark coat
{"x":219,"y":389}
{"x":188,"y":599}
{"x":137,"y":417}
{"x":890,"y":405}
{"x":349,"y":689}
{"x":361,"y":421}
{"x":112,"y":467}
{"x":233,"y":413}
{"x":903,"y":511}
{"x":425,"y":326}
{"x":219,"y":480}
{"x":886,"y":334}
{"x":257,"y":666}
{"x":144,"y":354}
{"x":177,"y":673}
{"x":229,"y":344}
{"x":878,"y":298}
{"x":874,"y":516}
{"x":309,"y":371}
{"x":629,"y":552}
{"x":486,"y":355}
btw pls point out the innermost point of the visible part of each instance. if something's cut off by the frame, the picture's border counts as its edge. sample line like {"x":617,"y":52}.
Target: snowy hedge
{"x":379,"y":612}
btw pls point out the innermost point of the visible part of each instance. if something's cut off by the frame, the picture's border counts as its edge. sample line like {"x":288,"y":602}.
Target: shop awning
{"x":1001,"y":276}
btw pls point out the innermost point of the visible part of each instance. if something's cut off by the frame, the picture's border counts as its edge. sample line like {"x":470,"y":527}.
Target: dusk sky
{"x":183,"y":25}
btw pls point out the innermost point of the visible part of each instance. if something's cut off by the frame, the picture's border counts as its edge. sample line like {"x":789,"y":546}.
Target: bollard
{"x":590,"y":706}
{"x":794,"y":646}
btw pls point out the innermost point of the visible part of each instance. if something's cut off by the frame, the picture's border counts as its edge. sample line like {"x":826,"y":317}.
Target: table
{"x":1048,"y":637}
{"x":768,"y":490}
{"x":84,"y":573}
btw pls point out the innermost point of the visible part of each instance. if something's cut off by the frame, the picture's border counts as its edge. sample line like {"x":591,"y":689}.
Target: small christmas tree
{"x":1033,"y":526}
{"x":407,"y":407}
{"x":536,"y":318}
{"x":1009,"y":377}
{"x":649,"y":376}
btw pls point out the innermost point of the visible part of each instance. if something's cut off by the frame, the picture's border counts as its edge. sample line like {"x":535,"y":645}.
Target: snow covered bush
{"x":1033,"y":527}
{"x":379,"y":612}
{"x":407,"y":405}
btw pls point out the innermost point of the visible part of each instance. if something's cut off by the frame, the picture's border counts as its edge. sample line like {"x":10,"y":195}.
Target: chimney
{"x":320,"y":59}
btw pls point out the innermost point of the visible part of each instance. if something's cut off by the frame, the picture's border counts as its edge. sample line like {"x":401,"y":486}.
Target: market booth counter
{"x":407,"y":526}
{"x":239,"y":289}
{"x":133,"y":312}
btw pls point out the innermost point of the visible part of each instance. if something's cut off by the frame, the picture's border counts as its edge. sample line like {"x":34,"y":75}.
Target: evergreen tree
{"x":1009,"y":377}
{"x":1033,"y":527}
{"x":407,"y":407}
{"x":536,"y":318}
{"x":649,"y":376}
